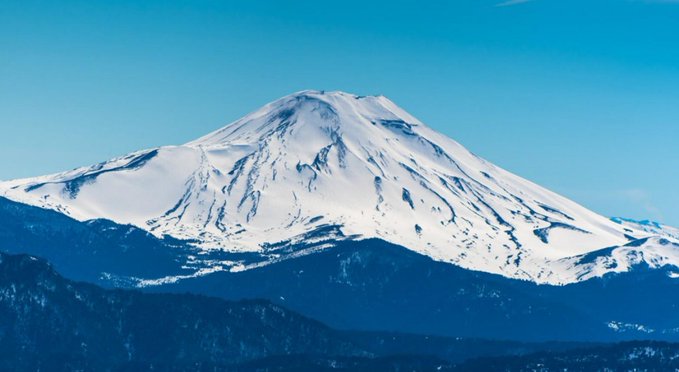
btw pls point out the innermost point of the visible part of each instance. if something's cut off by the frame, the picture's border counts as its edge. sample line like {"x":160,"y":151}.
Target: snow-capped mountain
{"x":316,"y":167}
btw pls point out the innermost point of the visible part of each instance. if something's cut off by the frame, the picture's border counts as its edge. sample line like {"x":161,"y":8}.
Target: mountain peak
{"x":329,"y":95}
{"x":332,"y":111}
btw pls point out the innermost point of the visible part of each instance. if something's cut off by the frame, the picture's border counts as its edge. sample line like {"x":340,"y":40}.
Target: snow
{"x":654,"y":252}
{"x":313,"y":160}
{"x":625,"y":327}
{"x":647,"y":226}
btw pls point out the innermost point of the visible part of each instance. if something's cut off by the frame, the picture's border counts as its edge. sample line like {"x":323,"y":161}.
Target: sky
{"x":581,"y":97}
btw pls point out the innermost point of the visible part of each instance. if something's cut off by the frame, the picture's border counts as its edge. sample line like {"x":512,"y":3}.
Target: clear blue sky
{"x":579,"y":96}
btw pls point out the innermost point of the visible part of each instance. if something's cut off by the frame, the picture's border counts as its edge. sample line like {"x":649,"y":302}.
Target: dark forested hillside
{"x":48,"y":321}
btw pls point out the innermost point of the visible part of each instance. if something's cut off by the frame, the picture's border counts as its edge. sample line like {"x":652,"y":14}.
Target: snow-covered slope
{"x":314,"y":167}
{"x":647,"y":226}
{"x":652,"y":252}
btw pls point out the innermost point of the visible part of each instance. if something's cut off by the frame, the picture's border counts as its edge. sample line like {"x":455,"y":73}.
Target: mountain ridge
{"x":57,"y":324}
